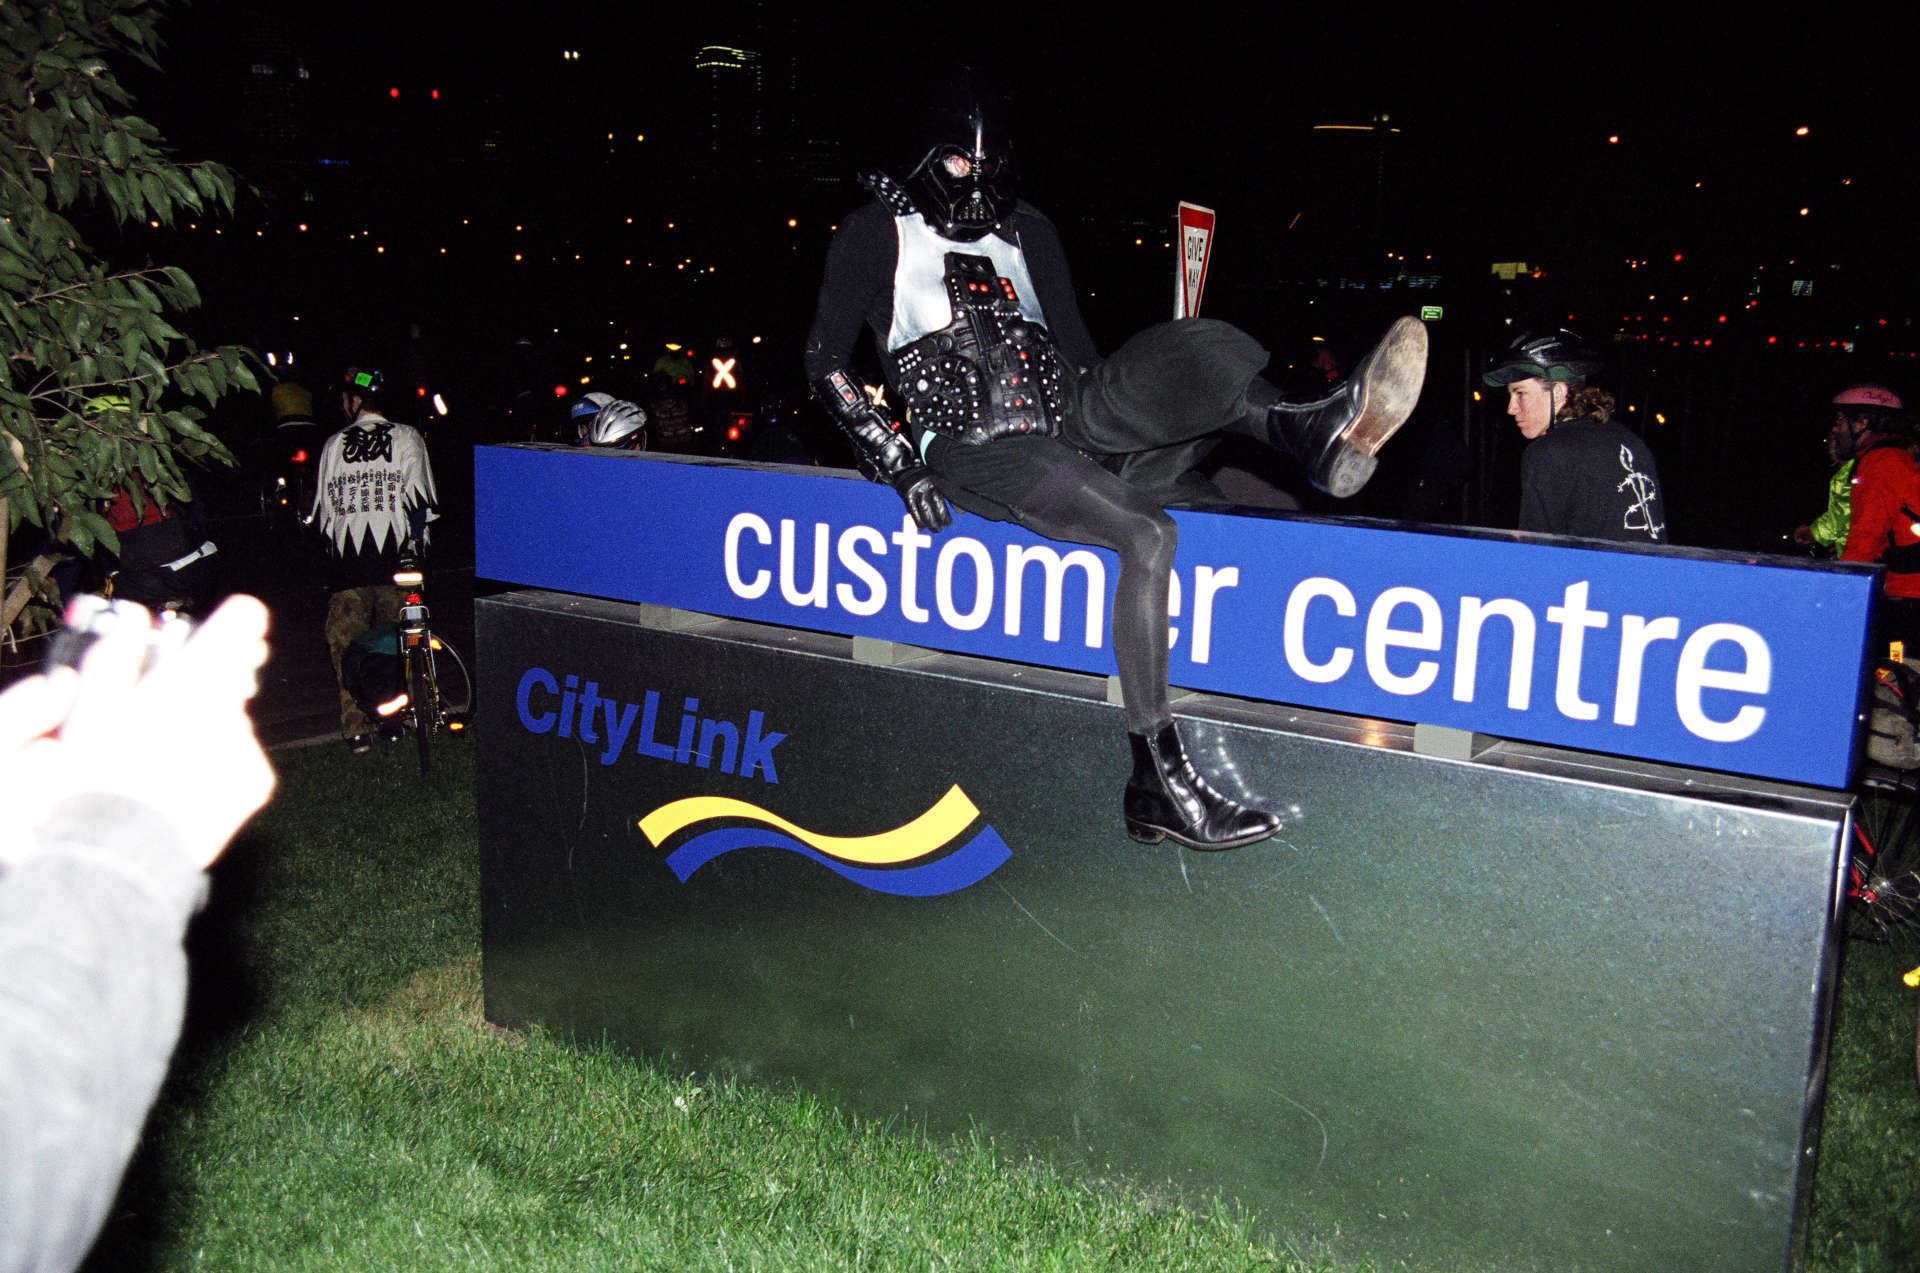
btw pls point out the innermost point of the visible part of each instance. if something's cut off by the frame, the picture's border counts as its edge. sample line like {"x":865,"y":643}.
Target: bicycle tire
{"x":1884,"y":865}
{"x":455,"y":688}
{"x":420,"y":690}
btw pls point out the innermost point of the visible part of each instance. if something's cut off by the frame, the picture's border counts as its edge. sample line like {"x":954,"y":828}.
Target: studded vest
{"x":992,"y":372}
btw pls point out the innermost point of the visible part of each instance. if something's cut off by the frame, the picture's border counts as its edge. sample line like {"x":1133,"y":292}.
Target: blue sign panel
{"x":1705,"y":659}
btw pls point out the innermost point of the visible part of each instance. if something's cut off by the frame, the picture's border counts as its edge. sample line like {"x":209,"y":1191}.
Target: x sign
{"x":723,"y":373}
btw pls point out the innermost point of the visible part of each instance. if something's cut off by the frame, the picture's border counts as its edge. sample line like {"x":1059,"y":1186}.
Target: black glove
{"x":882,"y":453}
{"x":924,"y":500}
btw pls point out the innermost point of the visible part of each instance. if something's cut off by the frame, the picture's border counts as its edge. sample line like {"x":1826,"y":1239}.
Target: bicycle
{"x":423,"y":704}
{"x":1883,"y":861}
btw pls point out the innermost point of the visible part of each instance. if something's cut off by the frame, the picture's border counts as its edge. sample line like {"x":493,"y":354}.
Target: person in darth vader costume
{"x":1012,"y":414}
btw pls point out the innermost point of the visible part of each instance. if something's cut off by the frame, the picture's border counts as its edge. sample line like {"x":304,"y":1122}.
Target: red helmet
{"x":1868,"y":396}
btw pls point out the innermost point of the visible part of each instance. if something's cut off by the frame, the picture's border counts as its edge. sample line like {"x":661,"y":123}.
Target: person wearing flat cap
{"x":1583,"y":472}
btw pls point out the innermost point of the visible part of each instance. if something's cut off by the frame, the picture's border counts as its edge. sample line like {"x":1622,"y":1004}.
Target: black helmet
{"x":964,"y":182}
{"x":1559,"y":355}
{"x":365,"y":382}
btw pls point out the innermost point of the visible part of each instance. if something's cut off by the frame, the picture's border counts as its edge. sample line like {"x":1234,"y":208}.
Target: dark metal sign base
{"x":1535,"y":1009}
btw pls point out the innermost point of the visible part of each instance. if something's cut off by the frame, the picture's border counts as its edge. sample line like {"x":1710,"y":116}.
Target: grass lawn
{"x":339,"y":1103}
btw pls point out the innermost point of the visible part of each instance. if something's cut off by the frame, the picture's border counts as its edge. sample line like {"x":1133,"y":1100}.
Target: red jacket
{"x":1886,"y":517}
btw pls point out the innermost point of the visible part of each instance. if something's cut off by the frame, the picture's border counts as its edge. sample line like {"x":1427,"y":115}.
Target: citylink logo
{"x":566,"y":708}
{"x":909,"y":861}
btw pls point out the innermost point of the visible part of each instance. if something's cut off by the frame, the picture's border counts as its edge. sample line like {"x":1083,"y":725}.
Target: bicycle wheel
{"x":423,"y":701}
{"x":1883,"y":868}
{"x":452,"y":679}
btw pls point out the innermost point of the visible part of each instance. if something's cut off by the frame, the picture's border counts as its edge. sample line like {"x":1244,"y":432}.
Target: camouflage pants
{"x":350,"y":612}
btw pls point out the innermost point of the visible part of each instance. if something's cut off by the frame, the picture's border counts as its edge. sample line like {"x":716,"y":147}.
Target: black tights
{"x":1078,"y":502}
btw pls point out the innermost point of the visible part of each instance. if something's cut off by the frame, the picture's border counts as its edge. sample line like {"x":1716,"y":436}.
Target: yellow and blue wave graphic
{"x":907,"y":861}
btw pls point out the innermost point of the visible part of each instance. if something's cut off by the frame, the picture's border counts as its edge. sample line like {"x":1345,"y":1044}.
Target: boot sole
{"x":1146,"y":834}
{"x":1390,"y":380}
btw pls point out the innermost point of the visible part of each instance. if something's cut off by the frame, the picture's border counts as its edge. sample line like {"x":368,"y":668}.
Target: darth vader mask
{"x":964,"y":184}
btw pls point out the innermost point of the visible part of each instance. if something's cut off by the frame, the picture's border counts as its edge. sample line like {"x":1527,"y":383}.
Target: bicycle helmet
{"x":1863,"y":412}
{"x":1868,"y":396}
{"x":1560,"y":355}
{"x":367,"y":384}
{"x":601,"y":419}
{"x":291,"y":401}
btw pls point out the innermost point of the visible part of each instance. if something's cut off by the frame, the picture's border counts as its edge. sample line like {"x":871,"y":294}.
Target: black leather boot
{"x":1337,"y":438}
{"x":1167,"y":798}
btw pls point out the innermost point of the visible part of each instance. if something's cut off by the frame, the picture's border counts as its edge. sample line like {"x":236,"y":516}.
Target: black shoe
{"x":1337,"y":438}
{"x":1166,"y":798}
{"x":360,"y":744}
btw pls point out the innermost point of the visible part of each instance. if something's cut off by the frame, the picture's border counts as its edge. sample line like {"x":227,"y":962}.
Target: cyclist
{"x":1583,"y":472}
{"x":166,"y":553}
{"x":375,"y":496}
{"x":1829,"y":530}
{"x":286,"y":458}
{"x":1884,"y":503}
{"x":669,"y":392}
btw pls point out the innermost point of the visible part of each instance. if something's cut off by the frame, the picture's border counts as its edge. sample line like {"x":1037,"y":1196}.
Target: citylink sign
{"x":925,"y":857}
{"x":1696,"y":658}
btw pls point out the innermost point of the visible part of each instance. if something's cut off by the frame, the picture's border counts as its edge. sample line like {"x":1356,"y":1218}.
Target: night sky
{"x":1504,"y":153}
{"x":1496,"y":100}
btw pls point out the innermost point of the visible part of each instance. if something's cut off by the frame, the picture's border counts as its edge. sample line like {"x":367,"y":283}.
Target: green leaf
{"x":156,"y":192}
{"x":40,"y":128}
{"x":66,"y":183}
{"x":243,"y":376}
{"x":189,"y":293}
{"x":80,"y":535}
